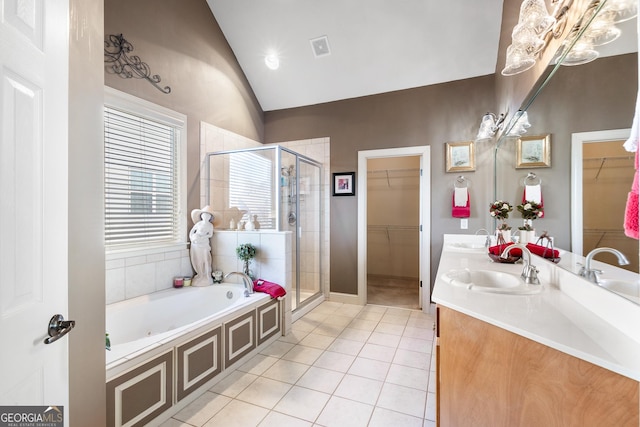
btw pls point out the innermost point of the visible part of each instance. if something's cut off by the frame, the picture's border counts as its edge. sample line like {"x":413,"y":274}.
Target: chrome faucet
{"x":248,"y":283}
{"x":487,"y":242}
{"x":591,"y":274}
{"x":530,"y":272}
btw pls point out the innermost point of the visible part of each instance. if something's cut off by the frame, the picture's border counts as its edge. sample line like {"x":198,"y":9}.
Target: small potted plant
{"x":530,"y":211}
{"x":246,"y":252}
{"x":500,"y":211}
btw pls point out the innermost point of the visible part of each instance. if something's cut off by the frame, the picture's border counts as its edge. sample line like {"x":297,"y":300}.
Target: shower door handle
{"x":58,"y":327}
{"x":299,"y":232}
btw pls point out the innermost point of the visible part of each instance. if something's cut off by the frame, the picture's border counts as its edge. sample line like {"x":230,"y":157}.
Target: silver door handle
{"x":58,"y":327}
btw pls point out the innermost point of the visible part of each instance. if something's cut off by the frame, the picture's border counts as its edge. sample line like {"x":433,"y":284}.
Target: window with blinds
{"x":141,"y":178}
{"x":251,"y":186}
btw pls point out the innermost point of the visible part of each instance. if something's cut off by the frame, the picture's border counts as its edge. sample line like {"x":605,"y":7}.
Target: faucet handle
{"x":584,"y":272}
{"x":530,"y":274}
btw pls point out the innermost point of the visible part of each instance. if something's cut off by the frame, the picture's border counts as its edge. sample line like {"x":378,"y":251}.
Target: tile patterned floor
{"x":342,"y":365}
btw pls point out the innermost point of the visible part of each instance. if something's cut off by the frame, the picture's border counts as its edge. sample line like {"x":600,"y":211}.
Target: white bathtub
{"x":140,"y":324}
{"x":171,"y":346}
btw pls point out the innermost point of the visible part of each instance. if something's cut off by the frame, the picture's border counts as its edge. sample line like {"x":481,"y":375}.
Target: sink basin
{"x":466,"y":246}
{"x":626,"y":287}
{"x":490,"y":281}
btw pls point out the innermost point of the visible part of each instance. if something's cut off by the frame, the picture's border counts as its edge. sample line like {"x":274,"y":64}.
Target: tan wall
{"x":181,"y":41}
{"x":431,"y":115}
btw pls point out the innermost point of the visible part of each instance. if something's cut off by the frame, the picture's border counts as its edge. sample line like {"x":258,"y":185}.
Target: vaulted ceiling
{"x":374,"y":46}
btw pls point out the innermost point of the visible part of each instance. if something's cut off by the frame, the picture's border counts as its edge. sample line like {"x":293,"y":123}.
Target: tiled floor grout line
{"x":317,"y":318}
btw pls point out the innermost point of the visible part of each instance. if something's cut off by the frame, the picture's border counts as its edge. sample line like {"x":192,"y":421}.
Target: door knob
{"x":58,"y":327}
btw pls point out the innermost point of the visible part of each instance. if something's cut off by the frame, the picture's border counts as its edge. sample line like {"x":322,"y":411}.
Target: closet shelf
{"x":604,"y":232}
{"x":393,"y":173}
{"x":602,"y":160}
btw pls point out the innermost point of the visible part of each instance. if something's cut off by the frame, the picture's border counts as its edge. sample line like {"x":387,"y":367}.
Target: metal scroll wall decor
{"x":118,"y":61}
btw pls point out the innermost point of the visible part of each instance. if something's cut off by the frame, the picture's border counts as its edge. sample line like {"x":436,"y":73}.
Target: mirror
{"x":569,"y":100}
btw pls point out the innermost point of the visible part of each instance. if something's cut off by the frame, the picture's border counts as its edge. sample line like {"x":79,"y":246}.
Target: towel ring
{"x":532,"y":179}
{"x":462,"y":182}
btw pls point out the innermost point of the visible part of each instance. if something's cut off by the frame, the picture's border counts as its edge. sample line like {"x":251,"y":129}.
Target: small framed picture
{"x":533,"y":152}
{"x":344,"y":184}
{"x":460,"y":157}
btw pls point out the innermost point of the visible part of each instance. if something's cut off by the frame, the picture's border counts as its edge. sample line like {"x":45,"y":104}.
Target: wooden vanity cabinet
{"x":487,"y":376}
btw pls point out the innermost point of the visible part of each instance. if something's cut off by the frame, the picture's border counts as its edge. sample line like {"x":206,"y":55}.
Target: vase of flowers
{"x":246,"y":252}
{"x":530,"y":211}
{"x":500,"y":211}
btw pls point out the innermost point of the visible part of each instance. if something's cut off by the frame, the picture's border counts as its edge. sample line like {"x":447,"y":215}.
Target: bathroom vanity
{"x":560,"y":353}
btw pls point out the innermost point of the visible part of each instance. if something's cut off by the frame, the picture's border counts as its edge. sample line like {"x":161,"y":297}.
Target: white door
{"x":33,"y":204}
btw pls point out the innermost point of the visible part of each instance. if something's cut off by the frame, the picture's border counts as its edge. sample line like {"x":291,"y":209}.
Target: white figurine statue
{"x":200,"y":251}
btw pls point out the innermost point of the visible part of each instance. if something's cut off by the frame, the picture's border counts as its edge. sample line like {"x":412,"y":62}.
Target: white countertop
{"x":554,"y":317}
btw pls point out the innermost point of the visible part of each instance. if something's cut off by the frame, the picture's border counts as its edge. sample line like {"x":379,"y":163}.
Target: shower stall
{"x":278,"y":189}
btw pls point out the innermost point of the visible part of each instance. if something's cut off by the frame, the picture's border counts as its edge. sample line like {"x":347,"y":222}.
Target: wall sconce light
{"x":528,"y":37}
{"x":521,"y":125}
{"x":602,"y":30}
{"x":622,"y":10}
{"x":489,"y":125}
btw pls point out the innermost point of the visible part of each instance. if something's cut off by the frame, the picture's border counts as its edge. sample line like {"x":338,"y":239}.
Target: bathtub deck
{"x":374,"y":365}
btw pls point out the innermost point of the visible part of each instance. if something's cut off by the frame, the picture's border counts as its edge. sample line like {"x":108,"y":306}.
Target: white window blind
{"x":141,"y":180}
{"x":251,"y":186}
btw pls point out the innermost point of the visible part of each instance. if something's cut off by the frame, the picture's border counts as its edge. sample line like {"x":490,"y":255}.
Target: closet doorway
{"x":602,"y":176}
{"x":393,"y":227}
{"x":393,"y":231}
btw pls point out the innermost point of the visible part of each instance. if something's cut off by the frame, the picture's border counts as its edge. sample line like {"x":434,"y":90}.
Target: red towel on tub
{"x":270,"y":288}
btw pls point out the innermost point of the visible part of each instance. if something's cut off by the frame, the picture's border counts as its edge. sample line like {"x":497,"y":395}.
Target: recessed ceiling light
{"x":320,"y":46}
{"x":272,"y":61}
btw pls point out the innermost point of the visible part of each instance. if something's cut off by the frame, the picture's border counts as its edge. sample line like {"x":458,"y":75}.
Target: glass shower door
{"x":308,"y":233}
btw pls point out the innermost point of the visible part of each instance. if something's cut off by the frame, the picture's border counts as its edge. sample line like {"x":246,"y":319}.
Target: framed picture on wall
{"x":344,"y":184}
{"x":460,"y":157}
{"x":533,"y":152}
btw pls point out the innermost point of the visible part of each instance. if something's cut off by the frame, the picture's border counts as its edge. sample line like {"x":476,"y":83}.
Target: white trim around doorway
{"x":425,"y":214}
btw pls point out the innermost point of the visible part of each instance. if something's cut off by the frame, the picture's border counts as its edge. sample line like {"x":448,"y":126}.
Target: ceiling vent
{"x":320,"y":46}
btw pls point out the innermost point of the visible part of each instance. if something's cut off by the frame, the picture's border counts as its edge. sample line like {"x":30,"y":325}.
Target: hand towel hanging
{"x":461,"y":203}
